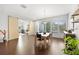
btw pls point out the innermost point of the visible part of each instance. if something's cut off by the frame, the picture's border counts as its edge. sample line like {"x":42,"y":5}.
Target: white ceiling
{"x":37,"y":11}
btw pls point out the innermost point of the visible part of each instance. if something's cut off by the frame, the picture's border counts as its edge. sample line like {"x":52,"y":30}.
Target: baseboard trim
{"x":13,"y":39}
{"x":58,"y":38}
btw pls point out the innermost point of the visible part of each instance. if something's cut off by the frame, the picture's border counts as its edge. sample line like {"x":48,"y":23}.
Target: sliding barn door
{"x":13,"y":27}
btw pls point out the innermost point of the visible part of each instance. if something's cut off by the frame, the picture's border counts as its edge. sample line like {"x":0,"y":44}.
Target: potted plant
{"x":71,"y":46}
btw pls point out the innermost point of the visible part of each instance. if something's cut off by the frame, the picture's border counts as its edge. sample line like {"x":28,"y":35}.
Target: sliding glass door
{"x":44,"y":26}
{"x":48,"y":27}
{"x":57,"y":29}
{"x":55,"y":25}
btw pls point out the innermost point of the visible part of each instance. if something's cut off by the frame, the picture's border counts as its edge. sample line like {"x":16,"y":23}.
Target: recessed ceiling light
{"x":23,"y":6}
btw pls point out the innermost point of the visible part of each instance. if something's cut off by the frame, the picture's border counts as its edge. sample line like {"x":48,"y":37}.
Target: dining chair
{"x":39,"y":40}
{"x":48,"y":40}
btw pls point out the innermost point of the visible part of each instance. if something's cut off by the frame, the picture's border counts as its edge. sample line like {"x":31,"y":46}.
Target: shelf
{"x":75,"y":22}
{"x":75,"y":14}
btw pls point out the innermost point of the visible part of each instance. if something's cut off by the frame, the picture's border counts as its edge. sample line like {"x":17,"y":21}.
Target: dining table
{"x":45,"y":36}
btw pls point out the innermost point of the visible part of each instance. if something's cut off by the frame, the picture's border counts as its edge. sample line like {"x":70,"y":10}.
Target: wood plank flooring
{"x":25,"y":46}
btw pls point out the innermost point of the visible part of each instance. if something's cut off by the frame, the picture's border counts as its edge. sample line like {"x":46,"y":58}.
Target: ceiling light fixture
{"x":44,"y":12}
{"x":23,"y":6}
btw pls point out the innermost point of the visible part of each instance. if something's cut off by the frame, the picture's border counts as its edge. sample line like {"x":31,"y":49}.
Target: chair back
{"x":38,"y":35}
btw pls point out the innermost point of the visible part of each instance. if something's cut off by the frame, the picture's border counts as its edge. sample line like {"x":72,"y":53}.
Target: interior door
{"x":13,"y":27}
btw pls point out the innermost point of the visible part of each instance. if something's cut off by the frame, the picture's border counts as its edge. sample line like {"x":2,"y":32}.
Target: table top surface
{"x":45,"y":35}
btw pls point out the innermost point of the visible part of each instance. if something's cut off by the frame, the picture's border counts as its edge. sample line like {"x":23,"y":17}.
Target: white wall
{"x":23,"y":23}
{"x":4,"y":23}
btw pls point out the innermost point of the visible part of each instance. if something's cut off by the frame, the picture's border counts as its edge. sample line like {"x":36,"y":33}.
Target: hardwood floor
{"x":25,"y":46}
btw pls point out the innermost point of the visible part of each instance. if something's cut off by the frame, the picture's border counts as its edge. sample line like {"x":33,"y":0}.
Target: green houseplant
{"x":71,"y":46}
